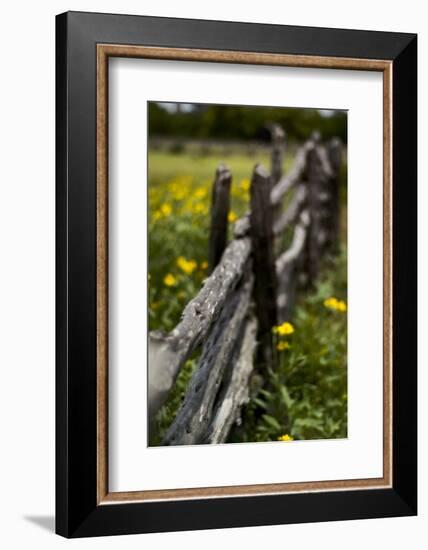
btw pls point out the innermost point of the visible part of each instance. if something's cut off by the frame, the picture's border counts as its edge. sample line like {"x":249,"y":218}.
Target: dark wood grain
{"x":220,"y":204}
{"x":262,"y":240}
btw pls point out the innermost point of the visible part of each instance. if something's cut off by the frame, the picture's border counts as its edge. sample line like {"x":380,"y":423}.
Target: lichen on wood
{"x":169,"y":351}
{"x":193,"y":418}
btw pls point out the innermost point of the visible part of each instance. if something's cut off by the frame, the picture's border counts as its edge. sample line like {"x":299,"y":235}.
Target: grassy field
{"x":165,"y":165}
{"x":307,"y":397}
{"x":179,"y":200}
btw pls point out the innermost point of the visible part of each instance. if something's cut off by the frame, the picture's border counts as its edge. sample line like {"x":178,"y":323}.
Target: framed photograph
{"x":236,"y":274}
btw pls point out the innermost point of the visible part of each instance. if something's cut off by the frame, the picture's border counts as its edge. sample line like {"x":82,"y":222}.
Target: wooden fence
{"x":251,"y":288}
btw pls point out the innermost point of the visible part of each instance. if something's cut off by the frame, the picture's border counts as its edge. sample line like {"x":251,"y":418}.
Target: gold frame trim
{"x":104,"y":51}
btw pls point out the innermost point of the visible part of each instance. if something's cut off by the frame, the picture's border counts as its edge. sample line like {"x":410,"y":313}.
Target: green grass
{"x":179,"y":218}
{"x":307,"y":396}
{"x":167,"y":166}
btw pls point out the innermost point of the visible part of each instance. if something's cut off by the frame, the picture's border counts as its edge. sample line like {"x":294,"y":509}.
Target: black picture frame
{"x":78,"y":513}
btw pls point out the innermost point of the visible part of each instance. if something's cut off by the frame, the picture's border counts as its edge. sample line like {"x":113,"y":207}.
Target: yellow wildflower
{"x":201,"y":193}
{"x":245,"y":184}
{"x":200,"y":209}
{"x":284,"y":329}
{"x":166,"y":209}
{"x":178,"y":191}
{"x":204,"y":265}
{"x":179,"y":194}
{"x":232,"y":216}
{"x":341,"y":306}
{"x":335,"y":304}
{"x":188,"y":266}
{"x":285,"y":437}
{"x":170,"y":280}
{"x":330,"y":303}
{"x":281,"y":346}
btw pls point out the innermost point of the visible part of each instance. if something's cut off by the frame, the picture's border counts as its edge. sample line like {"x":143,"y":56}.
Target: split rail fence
{"x":251,"y":288}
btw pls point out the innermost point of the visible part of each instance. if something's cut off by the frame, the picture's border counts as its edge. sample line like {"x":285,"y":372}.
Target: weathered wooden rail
{"x":251,"y":287}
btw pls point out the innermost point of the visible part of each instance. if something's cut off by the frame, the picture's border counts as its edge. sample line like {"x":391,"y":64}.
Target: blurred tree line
{"x":205,"y":121}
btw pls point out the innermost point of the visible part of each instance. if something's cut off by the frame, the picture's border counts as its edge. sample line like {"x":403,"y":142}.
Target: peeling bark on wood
{"x":193,"y":419}
{"x":235,"y":393}
{"x":168,"y":352}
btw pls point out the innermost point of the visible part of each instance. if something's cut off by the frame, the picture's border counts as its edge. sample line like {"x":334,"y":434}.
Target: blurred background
{"x":197,"y":121}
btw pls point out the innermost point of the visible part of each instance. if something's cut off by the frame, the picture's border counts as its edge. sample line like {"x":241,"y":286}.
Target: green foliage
{"x":243,"y":122}
{"x":307,"y":396}
{"x":166,"y":415}
{"x":179,"y":220}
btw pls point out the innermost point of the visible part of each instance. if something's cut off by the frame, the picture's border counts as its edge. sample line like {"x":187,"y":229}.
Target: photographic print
{"x":233,"y":263}
{"x":247,"y":274}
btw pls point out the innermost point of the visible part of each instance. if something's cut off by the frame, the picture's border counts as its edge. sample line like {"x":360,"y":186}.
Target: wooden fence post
{"x":323,"y":201}
{"x":277,"y":157}
{"x":334,"y":152}
{"x":265,"y":286}
{"x":278,"y":146}
{"x":313,"y":177}
{"x":220,"y":204}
